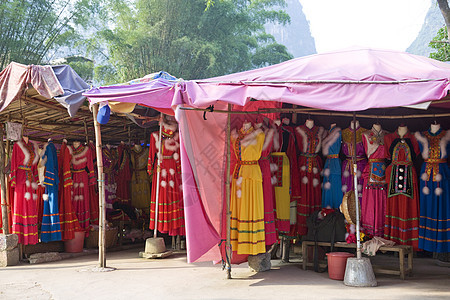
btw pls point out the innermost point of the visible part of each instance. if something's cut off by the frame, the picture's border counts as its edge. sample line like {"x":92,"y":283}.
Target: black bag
{"x":330,"y":229}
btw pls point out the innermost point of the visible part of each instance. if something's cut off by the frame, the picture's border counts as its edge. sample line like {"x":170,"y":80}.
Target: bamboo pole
{"x":355,"y":188}
{"x":86,"y":131}
{"x":158,"y":175}
{"x":227,"y":195}
{"x":101,"y":190}
{"x":314,"y":111}
{"x":5,"y":223}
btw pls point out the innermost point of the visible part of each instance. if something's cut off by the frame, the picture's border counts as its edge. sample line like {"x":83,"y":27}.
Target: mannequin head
{"x":376,"y":126}
{"x":286,"y":121}
{"x":435,"y":127}
{"x":354,"y":124}
{"x":76,"y":144}
{"x":402,"y":130}
{"x":309,"y":123}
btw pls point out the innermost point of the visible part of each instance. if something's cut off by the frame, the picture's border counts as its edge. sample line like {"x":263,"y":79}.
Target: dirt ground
{"x":174,"y":278}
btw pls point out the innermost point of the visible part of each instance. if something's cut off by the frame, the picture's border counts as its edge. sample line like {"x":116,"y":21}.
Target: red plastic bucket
{"x":76,"y":244}
{"x":337,"y":262}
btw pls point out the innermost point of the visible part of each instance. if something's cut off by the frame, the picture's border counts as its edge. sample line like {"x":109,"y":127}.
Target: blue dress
{"x":434,"y":235}
{"x":332,"y":184}
{"x":50,"y":228}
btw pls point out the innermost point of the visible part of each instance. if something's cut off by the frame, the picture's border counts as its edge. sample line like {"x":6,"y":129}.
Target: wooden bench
{"x":401,"y":249}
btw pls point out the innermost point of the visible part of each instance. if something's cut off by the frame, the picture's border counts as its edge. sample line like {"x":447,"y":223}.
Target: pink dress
{"x":268,"y":192}
{"x":373,"y":204}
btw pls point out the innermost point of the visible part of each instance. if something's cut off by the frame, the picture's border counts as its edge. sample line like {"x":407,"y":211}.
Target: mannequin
{"x":402,"y":130}
{"x":332,"y":126}
{"x":309,"y":123}
{"x":377,"y":127}
{"x":354,"y":125}
{"x":137,"y":147}
{"x":25,"y":138}
{"x":277,"y":122}
{"x":434,"y":128}
{"x":76,"y":144}
{"x":108,"y":146}
{"x":246,"y":125}
{"x":286,"y":121}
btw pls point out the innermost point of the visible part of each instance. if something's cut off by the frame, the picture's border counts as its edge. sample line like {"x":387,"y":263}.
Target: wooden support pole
{"x":101,"y":190}
{"x":227,"y":196}
{"x":5,"y":223}
{"x":86,"y":131}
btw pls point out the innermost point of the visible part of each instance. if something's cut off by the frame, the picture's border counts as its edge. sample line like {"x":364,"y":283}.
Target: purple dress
{"x":361,"y":161}
{"x":373,"y":204}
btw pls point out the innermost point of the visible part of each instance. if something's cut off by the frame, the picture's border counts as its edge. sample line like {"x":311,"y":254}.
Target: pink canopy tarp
{"x":347,"y":80}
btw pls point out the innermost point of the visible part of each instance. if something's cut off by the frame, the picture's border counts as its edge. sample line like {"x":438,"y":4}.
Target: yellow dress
{"x":247,"y":202}
{"x":140,"y":181}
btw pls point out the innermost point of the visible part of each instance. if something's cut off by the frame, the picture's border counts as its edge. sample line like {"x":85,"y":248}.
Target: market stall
{"x":330,"y":85}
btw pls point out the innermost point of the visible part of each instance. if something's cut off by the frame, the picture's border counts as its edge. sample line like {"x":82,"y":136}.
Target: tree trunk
{"x":445,"y":10}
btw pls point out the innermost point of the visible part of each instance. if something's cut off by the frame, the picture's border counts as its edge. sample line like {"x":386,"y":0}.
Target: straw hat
{"x":348,"y":207}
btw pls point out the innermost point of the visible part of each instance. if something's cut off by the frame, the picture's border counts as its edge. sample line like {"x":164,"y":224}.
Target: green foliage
{"x":184,"y":39}
{"x":443,"y":49}
{"x":29,"y":29}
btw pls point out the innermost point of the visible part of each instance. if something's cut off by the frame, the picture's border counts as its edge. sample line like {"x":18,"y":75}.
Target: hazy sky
{"x":384,"y":24}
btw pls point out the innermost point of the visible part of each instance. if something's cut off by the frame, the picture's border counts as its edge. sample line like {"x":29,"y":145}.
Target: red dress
{"x":170,"y":205}
{"x":67,"y":217}
{"x":82,"y":177}
{"x":402,"y":204}
{"x":93,"y":189}
{"x":309,"y":142}
{"x":24,"y":178}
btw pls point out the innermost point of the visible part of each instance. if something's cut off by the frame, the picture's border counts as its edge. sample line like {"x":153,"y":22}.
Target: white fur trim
{"x":79,"y":158}
{"x":443,"y":143}
{"x":45,"y":197}
{"x":239,"y":193}
{"x":76,"y":185}
{"x":35,"y":197}
{"x":176,"y":156}
{"x":327,"y":185}
{"x":81,"y":185}
{"x":424,"y":176}
{"x":164,"y":173}
{"x":76,"y":198}
{"x":424,"y":141}
{"x":304,"y":138}
{"x":438,"y":191}
{"x":303,"y":168}
{"x":274,"y":180}
{"x":426,"y":190}
{"x":181,"y":187}
{"x":27,"y":196}
{"x":25,"y":152}
{"x":250,"y":139}
{"x":344,"y":188}
{"x":276,"y":141}
{"x":305,"y":180}
{"x":273,"y":167}
{"x":315,"y":170}
{"x":358,"y":174}
{"x":315,"y":182}
{"x":27,"y":183}
{"x":172,"y":171}
{"x":36,"y":152}
{"x":171,"y":183}
{"x":359,"y":186}
{"x":163,"y":183}
{"x":438,"y":177}
{"x":346,"y":173}
{"x":330,"y":140}
{"x":34,"y":185}
{"x":168,"y":126}
{"x":327,"y":172}
{"x":320,"y":135}
{"x":81,"y":197}
{"x":268,"y":139}
{"x":239,"y":181}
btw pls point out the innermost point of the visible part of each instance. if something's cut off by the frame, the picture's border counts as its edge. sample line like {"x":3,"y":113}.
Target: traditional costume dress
{"x":269,"y":213}
{"x":402,"y":204}
{"x":309,"y":142}
{"x":83,"y":176}
{"x":373,"y":204}
{"x":51,"y":227}
{"x":434,"y":232}
{"x":247,"y":200}
{"x":123,"y":175}
{"x":285,"y":177}
{"x":332,"y":184}
{"x":170,"y":203}
{"x":93,"y":189}
{"x":24,"y":177}
{"x":348,"y":137}
{"x":109,"y":156}
{"x":67,"y":216}
{"x":140,"y":181}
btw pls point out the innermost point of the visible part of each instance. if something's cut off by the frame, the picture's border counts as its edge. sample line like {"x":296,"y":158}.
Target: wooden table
{"x":401,"y":249}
